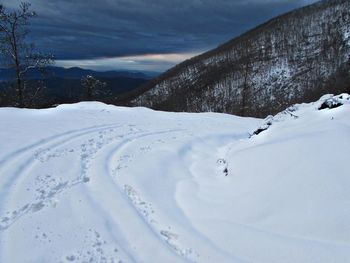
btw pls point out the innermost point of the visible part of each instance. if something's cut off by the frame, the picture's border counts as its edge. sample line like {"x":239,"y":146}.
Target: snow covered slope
{"x":296,"y":57}
{"x":91,"y":182}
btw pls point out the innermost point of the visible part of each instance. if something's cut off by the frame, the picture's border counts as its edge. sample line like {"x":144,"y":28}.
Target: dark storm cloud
{"x":85,"y":29}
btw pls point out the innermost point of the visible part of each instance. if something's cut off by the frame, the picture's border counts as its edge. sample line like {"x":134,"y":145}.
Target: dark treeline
{"x":59,"y":90}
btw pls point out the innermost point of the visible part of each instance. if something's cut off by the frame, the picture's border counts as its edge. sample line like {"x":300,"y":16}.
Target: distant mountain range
{"x":292,"y":58}
{"x":64,"y":85}
{"x":76,"y":73}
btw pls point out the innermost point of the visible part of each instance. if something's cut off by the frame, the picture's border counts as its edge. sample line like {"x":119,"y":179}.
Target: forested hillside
{"x":292,"y":58}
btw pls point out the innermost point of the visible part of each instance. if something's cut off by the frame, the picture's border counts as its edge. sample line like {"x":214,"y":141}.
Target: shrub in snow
{"x":330,"y":104}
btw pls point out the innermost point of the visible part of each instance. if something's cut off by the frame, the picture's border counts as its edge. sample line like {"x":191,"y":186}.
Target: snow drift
{"x":90,"y":182}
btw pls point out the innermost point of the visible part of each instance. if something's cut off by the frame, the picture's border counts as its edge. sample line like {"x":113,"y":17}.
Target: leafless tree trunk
{"x":16,"y":53}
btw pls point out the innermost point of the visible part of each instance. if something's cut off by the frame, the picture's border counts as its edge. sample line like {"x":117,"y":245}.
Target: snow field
{"x":90,"y":182}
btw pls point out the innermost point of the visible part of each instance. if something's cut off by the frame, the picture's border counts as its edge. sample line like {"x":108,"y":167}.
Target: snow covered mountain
{"x":90,"y":182}
{"x":292,"y":58}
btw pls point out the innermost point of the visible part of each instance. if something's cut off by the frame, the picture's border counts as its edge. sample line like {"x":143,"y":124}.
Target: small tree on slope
{"x":92,"y":86}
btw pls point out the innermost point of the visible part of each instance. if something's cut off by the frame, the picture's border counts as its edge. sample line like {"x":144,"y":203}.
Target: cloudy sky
{"x":150,"y":35}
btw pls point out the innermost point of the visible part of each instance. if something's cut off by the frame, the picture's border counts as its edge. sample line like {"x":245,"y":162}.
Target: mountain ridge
{"x":226,"y":79}
{"x":75,"y":73}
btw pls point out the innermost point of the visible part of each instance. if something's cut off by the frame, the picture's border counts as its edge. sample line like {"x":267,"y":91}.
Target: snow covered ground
{"x":91,"y":182}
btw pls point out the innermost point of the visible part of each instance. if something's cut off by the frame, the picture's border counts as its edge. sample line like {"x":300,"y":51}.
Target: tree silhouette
{"x":16,"y":52}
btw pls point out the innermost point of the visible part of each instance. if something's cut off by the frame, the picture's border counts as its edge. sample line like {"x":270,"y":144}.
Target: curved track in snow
{"x":96,"y":183}
{"x":41,"y":180}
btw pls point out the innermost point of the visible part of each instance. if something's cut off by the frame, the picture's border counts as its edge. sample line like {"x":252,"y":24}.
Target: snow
{"x":90,"y":182}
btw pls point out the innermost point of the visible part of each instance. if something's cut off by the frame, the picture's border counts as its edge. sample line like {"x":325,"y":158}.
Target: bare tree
{"x":92,"y":86}
{"x":16,"y":52}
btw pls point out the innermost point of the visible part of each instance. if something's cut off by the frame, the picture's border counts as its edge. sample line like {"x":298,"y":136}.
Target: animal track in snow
{"x":47,"y":187}
{"x":95,"y":249}
{"x":146,"y":210}
{"x":45,"y":155}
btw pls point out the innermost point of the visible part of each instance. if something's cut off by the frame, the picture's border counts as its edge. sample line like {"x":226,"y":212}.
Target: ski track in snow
{"x":43,"y":151}
{"x":27,"y":158}
{"x":35,"y":150}
{"x":159,"y":188}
